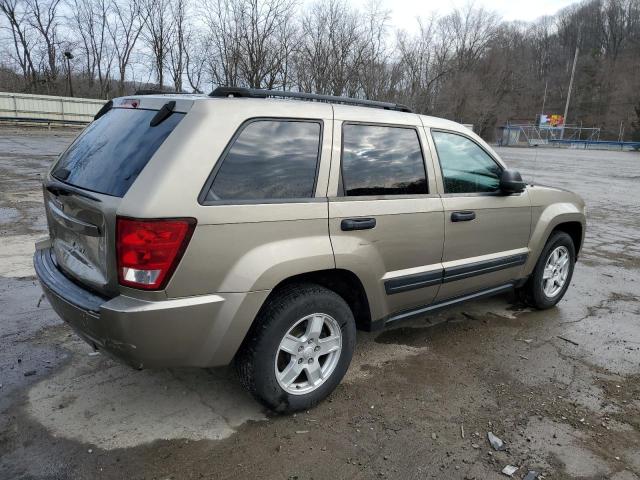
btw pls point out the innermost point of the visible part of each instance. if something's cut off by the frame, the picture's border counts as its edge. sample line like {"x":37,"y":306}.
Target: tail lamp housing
{"x":149,"y":250}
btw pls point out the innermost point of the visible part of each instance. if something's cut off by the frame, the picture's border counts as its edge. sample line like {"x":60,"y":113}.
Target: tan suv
{"x":200,"y":230}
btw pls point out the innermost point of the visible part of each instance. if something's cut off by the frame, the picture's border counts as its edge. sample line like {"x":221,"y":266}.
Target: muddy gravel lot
{"x":561,"y":387}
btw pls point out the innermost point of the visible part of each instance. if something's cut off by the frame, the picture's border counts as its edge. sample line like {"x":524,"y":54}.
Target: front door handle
{"x":357,"y":224}
{"x":463,"y":216}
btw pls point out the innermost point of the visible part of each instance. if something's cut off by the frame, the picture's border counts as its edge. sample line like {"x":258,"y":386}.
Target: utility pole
{"x":68,"y":55}
{"x":573,"y":72}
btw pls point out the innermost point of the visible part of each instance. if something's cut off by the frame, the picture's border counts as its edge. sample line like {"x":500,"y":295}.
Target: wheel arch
{"x":574,"y":229}
{"x":564,"y":217}
{"x":341,"y":281}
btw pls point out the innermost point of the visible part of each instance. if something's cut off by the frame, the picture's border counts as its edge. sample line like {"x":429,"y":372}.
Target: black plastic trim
{"x":417,"y":312}
{"x":413,"y":282}
{"x":104,"y":109}
{"x":164,"y":113}
{"x":351,"y":224}
{"x":54,"y":280}
{"x":451,"y":274}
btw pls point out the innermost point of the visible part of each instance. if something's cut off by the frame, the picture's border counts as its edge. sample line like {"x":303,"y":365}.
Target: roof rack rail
{"x":161,"y":92}
{"x":259,"y":93}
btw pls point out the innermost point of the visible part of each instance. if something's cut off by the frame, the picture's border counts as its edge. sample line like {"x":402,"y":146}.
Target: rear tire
{"x":551,"y":277}
{"x":298,"y":348}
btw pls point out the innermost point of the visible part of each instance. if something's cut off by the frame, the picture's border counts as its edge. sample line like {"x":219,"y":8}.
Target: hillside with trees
{"x":467,"y":65}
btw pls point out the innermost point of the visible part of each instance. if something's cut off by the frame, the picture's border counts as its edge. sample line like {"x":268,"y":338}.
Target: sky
{"x":404,"y":12}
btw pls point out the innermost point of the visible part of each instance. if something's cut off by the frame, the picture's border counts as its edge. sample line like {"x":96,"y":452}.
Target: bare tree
{"x":331,"y":49}
{"x":125,"y":29}
{"x":246,"y":39}
{"x":619,"y":17}
{"x":44,"y":18}
{"x":373,"y":74}
{"x":470,"y":30}
{"x":222,"y":41}
{"x":14,"y":12}
{"x":91,"y":20}
{"x":178,"y":38}
{"x":196,"y":62}
{"x":467,"y":65}
{"x":424,"y":63}
{"x":157,"y":34}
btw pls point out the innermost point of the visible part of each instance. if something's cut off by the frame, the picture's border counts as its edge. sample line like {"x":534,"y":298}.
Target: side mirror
{"x":511,"y":182}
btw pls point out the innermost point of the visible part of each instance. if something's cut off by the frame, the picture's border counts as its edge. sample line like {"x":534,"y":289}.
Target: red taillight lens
{"x":149,"y":250}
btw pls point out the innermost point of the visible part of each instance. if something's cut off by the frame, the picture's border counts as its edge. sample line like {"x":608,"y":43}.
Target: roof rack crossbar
{"x":259,"y":93}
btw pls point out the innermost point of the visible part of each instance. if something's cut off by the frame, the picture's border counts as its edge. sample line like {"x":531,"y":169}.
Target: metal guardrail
{"x":27,"y":108}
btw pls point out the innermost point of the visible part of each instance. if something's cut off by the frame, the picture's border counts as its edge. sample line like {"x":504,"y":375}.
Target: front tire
{"x":552,"y":275}
{"x":298,"y":349}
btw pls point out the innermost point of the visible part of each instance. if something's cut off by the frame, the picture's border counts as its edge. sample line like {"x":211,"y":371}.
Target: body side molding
{"x":416,"y":312}
{"x":450,"y":274}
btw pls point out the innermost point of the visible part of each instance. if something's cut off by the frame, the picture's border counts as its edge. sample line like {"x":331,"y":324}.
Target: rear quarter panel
{"x":235,"y":247}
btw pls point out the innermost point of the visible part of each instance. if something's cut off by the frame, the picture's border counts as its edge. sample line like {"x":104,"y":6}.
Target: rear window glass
{"x":111,"y":152}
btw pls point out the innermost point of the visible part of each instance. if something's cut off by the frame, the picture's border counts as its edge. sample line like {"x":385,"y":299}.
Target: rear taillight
{"x":149,"y":250}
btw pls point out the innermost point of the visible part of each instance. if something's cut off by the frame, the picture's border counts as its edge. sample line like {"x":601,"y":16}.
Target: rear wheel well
{"x":574,"y":230}
{"x":343,"y":282}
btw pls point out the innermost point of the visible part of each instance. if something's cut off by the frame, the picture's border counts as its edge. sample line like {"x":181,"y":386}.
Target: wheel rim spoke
{"x":314,"y":327}
{"x":290,"y":373}
{"x":290,"y":344}
{"x":329,"y":344}
{"x":314,"y":373}
{"x":563,"y":260}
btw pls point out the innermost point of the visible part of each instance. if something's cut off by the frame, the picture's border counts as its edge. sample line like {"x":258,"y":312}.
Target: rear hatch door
{"x":85,"y":187}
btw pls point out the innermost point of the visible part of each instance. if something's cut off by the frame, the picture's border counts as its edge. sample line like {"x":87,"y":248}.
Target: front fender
{"x":545,"y":220}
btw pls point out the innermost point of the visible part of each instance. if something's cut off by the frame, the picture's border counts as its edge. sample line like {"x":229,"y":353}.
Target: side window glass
{"x":270,"y":159}
{"x":380,"y":160}
{"x":466,"y":168}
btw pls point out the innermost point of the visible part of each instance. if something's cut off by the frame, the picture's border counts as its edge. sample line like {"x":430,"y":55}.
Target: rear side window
{"x":381,"y":160}
{"x":269,"y":159}
{"x":111,"y":152}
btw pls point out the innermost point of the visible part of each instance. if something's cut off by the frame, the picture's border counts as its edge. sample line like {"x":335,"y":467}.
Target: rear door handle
{"x":462,"y":216}
{"x":357,"y":224}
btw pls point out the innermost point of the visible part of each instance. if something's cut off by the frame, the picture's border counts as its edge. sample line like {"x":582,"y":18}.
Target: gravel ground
{"x":418,"y":400}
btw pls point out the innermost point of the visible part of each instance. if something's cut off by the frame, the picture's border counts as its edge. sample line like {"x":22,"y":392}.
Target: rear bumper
{"x":200,"y":331}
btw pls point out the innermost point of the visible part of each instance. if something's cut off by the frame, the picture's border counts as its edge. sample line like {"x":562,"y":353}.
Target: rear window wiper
{"x":104,"y":109}
{"x":164,"y":113}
